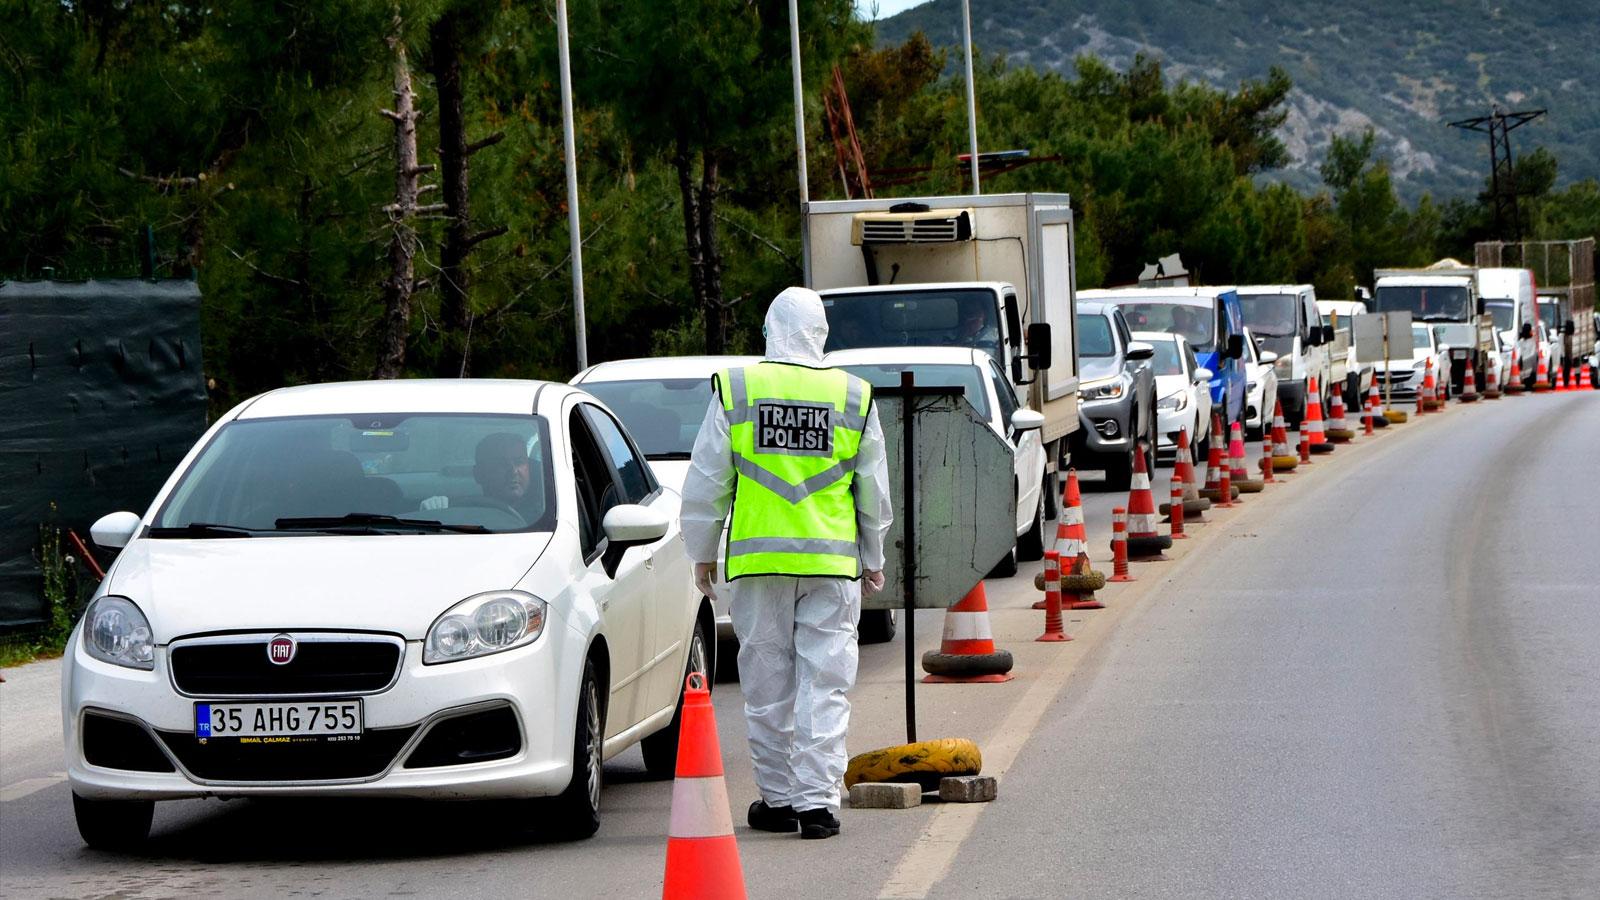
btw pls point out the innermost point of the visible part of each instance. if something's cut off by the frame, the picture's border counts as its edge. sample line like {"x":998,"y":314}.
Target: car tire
{"x":1030,"y":545}
{"x":115,"y":825}
{"x":876,"y":626}
{"x":575,"y":813}
{"x":661,"y":749}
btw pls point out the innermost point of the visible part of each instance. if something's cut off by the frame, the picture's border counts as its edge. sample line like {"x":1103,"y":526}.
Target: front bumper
{"x":525,"y":681}
{"x":1401,"y":384}
{"x":1106,"y":426}
{"x":1168,"y":423}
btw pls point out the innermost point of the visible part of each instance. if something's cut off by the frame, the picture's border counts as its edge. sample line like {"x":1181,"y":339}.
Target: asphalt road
{"x":1377,"y":679}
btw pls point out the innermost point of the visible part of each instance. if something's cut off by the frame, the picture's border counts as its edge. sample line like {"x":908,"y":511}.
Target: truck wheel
{"x":877,"y":626}
{"x":1006,"y":567}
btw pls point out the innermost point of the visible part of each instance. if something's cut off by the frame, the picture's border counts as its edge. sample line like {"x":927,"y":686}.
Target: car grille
{"x":230,"y":760}
{"x":237,"y":665}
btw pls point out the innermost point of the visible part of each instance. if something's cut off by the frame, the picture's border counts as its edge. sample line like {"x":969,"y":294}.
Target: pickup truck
{"x":1353,"y":377}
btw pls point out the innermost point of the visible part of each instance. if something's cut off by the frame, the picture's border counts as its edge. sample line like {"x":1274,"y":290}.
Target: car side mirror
{"x":1025,"y":419}
{"x":115,"y":530}
{"x":1203,"y":375}
{"x":1235,"y":346}
{"x":1140,"y":350}
{"x":1327,"y":334}
{"x":1267,"y":356}
{"x":630,"y":525}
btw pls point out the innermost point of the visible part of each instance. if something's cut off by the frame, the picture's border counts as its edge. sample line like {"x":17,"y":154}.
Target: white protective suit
{"x":797,"y":636}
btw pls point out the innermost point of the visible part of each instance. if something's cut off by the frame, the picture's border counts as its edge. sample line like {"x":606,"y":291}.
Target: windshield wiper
{"x":363,"y":523}
{"x":1438,"y":317}
{"x":1260,"y":333}
{"x":201,"y":530}
{"x":669,"y":455}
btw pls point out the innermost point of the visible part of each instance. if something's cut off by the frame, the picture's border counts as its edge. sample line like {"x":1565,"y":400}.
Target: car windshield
{"x":1455,"y":335}
{"x":1549,"y":314}
{"x":663,"y":415}
{"x":968,"y":378}
{"x":1427,"y":302}
{"x":914,"y":318}
{"x":1269,"y":315}
{"x":1420,"y":337}
{"x":1094,"y":337}
{"x":377,"y":473}
{"x":1193,"y":321}
{"x":1167,"y":361}
{"x":1502,"y":313}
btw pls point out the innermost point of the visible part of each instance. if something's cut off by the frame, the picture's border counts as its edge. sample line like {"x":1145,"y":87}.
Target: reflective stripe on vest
{"x":794,"y":432}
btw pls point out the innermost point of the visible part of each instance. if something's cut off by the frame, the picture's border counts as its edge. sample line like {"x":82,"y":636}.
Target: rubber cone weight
{"x":1250,"y":485}
{"x":951,"y":665}
{"x":923,"y":763}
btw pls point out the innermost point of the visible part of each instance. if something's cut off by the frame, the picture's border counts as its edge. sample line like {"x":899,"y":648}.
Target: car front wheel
{"x":661,"y":749}
{"x":1030,"y":545}
{"x":117,"y":825}
{"x":576,"y":812}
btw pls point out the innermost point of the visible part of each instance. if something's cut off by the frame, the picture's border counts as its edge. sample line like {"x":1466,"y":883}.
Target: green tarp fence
{"x":101,"y":394}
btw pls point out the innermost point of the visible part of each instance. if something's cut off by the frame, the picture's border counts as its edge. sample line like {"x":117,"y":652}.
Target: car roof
{"x":401,"y":395}
{"x":1153,"y":336}
{"x":868,"y":356}
{"x":1186,"y":295}
{"x":661,"y":367}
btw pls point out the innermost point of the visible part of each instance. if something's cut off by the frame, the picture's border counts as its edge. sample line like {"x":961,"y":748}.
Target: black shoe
{"x":779,"y":819}
{"x":816,"y":824}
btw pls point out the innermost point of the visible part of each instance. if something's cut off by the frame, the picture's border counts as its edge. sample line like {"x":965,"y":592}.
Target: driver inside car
{"x":501,"y":469}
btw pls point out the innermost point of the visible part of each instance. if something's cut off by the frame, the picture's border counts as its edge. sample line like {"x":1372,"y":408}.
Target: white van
{"x":1286,"y":321}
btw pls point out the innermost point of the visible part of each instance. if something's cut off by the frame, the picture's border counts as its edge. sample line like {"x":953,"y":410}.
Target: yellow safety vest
{"x":795,"y":432}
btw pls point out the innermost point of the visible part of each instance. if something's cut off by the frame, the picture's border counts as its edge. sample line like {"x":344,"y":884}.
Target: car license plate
{"x":277,"y":720}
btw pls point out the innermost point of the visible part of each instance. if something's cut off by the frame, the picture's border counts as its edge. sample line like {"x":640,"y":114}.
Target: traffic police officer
{"x":796,"y":450}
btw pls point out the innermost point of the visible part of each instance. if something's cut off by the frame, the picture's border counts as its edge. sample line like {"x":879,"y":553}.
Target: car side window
{"x":1007,"y":397}
{"x":596,"y":489}
{"x":634,"y":477}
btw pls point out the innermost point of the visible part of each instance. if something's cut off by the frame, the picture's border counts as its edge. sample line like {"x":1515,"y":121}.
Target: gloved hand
{"x":704,"y":575}
{"x":871,"y":582}
{"x":433,"y":503}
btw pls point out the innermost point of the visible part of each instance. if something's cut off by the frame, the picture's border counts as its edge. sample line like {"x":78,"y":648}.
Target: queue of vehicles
{"x":474,"y":589}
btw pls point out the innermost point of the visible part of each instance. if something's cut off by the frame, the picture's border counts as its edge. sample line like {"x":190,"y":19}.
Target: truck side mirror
{"x":1327,"y":334}
{"x":1235,"y":346}
{"x":1039,"y":345}
{"x":1013,"y":323}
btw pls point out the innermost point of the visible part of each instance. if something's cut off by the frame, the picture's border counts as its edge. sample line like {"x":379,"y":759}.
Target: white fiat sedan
{"x":1183,"y":391}
{"x":451,"y":589}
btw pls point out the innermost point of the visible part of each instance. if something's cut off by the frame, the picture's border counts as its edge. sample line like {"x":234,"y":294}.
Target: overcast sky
{"x":885,"y":8}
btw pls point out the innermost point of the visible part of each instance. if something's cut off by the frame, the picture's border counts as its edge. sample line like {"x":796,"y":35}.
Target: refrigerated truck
{"x":994,"y":271}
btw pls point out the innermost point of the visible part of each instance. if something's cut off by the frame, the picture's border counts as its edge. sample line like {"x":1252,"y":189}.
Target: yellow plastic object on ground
{"x":923,"y":763}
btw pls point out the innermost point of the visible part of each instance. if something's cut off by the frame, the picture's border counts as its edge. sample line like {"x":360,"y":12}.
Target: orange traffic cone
{"x":1144,"y":543}
{"x":1338,"y":427}
{"x":1119,"y":546}
{"x":702,"y":855}
{"x":1216,"y":466}
{"x":1283,"y":457}
{"x":1239,"y":470}
{"x":1469,"y":384}
{"x":1587,"y":373}
{"x":1072,"y":545}
{"x":1175,"y":518}
{"x":1561,"y":378}
{"x":1425,"y":390}
{"x":1054,"y":631}
{"x":967,"y":654}
{"x":1541,"y":375}
{"x":1194,"y":505}
{"x":1515,"y":386}
{"x":1266,"y":459}
{"x":1375,"y":416}
{"x":1491,"y":383}
{"x":1313,"y":424}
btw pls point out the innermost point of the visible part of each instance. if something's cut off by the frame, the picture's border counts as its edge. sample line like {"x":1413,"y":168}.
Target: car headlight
{"x":115,"y":631}
{"x":1103,"y":390}
{"x":1420,"y":364}
{"x":484,"y":624}
{"x":1284,"y":366}
{"x":1173,"y":401}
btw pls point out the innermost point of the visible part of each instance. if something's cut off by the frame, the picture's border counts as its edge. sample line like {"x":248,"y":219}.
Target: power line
{"x":1502,"y":177}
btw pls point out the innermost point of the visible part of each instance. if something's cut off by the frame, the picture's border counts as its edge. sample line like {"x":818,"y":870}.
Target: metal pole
{"x":574,"y":223}
{"x":972,"y":103}
{"x":908,"y":402}
{"x":800,"y":139}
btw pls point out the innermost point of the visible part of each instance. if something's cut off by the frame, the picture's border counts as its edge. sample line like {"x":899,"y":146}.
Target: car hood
{"x":1094,"y":368}
{"x":393,"y":583}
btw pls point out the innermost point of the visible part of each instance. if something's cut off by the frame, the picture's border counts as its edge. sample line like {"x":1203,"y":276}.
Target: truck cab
{"x":1441,"y":294}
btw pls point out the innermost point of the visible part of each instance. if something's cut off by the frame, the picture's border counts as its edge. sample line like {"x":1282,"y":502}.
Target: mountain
{"x":1405,"y":68}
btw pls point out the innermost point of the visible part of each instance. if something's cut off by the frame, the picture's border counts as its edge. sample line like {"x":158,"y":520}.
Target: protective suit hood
{"x":796,"y":327}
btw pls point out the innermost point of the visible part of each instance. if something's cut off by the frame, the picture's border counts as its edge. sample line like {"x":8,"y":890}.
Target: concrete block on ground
{"x":883,"y":795}
{"x":968,"y":789}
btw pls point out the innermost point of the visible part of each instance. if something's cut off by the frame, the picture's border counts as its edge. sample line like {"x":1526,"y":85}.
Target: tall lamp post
{"x":972,"y":102}
{"x":800,"y":138}
{"x":574,"y":223}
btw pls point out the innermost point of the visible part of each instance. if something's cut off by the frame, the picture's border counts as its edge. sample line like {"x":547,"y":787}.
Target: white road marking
{"x":29,"y":786}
